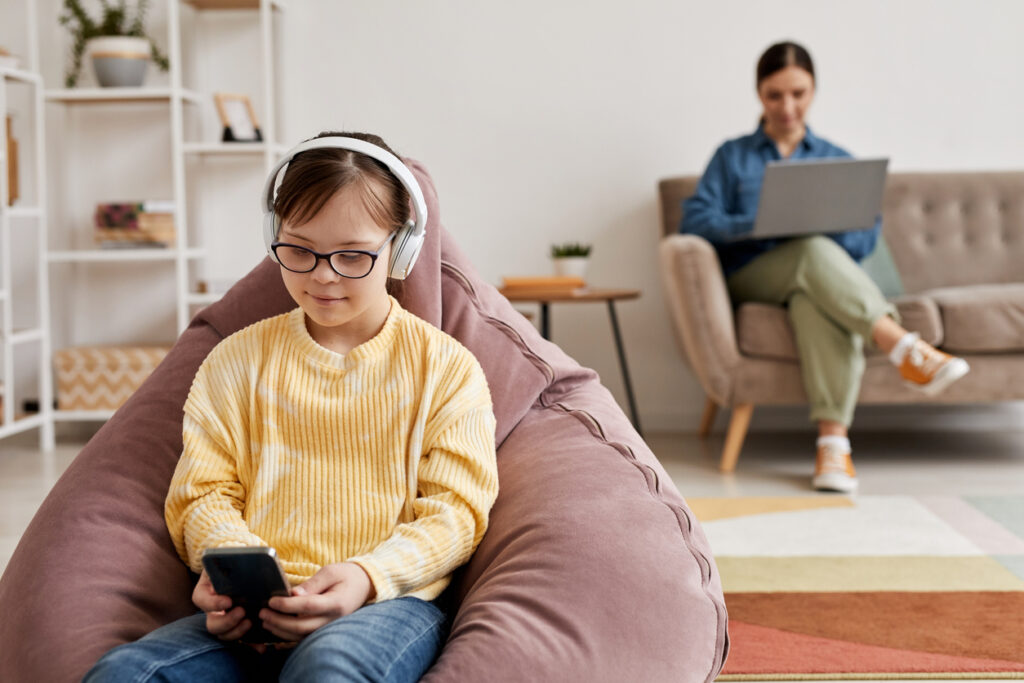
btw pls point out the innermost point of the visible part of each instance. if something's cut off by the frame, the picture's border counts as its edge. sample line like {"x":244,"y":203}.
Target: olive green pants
{"x":832,"y":305}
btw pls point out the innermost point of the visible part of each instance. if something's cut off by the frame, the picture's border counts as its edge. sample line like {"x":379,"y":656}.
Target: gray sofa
{"x":957,"y":241}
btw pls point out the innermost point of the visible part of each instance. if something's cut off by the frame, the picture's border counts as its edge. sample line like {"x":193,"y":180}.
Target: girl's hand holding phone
{"x":335,"y":591}
{"x":221,"y":620}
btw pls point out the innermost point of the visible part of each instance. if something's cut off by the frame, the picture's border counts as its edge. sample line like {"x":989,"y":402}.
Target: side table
{"x":584,"y":295}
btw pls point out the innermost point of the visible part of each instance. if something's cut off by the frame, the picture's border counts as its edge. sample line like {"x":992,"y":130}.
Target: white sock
{"x":904,"y":345}
{"x":837,"y":442}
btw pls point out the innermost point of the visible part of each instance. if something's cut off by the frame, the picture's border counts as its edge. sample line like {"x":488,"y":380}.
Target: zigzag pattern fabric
{"x":383,"y":456}
{"x":103,"y":377}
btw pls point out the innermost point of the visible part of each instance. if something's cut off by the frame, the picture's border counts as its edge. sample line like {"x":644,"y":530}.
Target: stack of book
{"x":12,"y":165}
{"x":541,"y":284}
{"x":122,"y":225}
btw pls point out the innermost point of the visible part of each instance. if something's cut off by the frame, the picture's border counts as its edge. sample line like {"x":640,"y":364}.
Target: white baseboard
{"x":1003,"y":417}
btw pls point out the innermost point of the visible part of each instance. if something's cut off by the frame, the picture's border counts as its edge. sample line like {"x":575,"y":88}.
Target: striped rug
{"x":876,"y":587}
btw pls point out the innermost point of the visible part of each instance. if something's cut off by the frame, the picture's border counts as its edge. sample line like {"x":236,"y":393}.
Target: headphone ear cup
{"x":404,"y":250}
{"x":270,"y":228}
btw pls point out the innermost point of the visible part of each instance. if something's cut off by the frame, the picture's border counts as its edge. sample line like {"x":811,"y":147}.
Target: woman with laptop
{"x":833,"y":305}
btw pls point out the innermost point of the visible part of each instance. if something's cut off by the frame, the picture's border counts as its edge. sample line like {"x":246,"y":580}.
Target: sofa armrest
{"x":701,"y":311}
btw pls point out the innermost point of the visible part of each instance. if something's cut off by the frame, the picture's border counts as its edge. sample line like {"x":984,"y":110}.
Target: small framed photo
{"x":237,"y":117}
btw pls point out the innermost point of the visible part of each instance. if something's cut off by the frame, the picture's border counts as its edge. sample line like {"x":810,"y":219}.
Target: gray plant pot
{"x":119,"y":61}
{"x":120,"y":72}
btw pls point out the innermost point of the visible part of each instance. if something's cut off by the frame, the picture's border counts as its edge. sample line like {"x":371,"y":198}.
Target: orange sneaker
{"x":929,"y":370}
{"x":834,"y":470}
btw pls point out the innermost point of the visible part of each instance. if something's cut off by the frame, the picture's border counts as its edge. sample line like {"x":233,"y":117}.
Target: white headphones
{"x":409,"y":238}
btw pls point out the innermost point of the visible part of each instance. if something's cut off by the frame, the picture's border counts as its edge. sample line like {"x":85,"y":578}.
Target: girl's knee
{"x":396,"y":640}
{"x":122,"y":663}
{"x":322,"y":658}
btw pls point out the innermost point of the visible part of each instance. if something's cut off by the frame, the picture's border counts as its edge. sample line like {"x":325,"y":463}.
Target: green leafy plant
{"x":569,"y":249}
{"x":115,"y":20}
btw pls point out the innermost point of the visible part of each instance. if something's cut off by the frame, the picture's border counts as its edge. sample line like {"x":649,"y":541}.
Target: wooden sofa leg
{"x":708,"y":419}
{"x":734,"y":438}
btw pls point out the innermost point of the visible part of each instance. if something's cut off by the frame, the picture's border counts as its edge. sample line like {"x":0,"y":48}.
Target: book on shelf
{"x":12,"y":165}
{"x":129,"y":244}
{"x":542,"y":283}
{"x":133,"y":224}
{"x":7,"y":60}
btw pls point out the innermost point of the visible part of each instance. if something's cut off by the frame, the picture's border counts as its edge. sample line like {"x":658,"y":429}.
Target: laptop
{"x":816,"y":196}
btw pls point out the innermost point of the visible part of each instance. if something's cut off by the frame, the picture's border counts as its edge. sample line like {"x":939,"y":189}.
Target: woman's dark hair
{"x":781,"y":55}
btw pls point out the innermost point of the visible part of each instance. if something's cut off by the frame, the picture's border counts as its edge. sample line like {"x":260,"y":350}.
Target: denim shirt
{"x":723,"y":208}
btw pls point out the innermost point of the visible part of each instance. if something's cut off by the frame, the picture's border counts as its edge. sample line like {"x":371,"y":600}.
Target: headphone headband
{"x":406,"y":246}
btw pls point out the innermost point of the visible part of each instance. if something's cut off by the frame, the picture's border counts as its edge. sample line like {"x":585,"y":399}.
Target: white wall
{"x":550,"y":121}
{"x":546,"y":121}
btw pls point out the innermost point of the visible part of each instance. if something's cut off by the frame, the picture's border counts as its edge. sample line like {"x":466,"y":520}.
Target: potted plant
{"x":118,"y":43}
{"x":570,"y":258}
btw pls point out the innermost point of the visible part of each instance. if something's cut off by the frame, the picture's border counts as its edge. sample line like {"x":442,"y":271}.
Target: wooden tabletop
{"x":583,"y":294}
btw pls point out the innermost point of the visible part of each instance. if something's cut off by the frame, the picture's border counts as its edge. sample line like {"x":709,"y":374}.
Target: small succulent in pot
{"x":570,"y":250}
{"x":116,"y":21}
{"x":570,"y":259}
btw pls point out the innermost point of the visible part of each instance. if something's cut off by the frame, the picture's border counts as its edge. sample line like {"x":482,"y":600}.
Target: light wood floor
{"x":771,"y":464}
{"x":777,"y":464}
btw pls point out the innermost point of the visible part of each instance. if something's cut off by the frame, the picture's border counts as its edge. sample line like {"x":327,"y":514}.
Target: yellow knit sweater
{"x":383,"y":456}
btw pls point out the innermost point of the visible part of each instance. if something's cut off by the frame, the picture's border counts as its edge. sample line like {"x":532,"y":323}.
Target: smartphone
{"x":250,"y":576}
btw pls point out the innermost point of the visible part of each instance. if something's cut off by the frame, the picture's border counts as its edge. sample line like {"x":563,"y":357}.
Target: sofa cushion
{"x":981,"y":318}
{"x":881,"y":268}
{"x":955,"y":229}
{"x":763,"y":330}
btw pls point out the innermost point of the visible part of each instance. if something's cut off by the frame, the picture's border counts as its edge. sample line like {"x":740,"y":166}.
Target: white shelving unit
{"x":125,"y":255}
{"x":122,"y":95}
{"x":28,"y":214}
{"x":233,"y":149}
{"x":174,"y":105}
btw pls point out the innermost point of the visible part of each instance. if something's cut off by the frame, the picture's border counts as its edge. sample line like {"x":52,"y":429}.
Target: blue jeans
{"x":394,"y":640}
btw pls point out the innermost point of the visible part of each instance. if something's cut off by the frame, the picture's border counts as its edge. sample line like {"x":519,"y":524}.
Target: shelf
{"x":124,"y":255}
{"x":233,"y":4}
{"x":197,"y":299}
{"x":22,"y":336}
{"x":121,"y":95}
{"x":159,"y":102}
{"x":24,"y":212}
{"x":231,"y":148}
{"x":82,"y":415}
{"x":21,"y":75}
{"x":20,"y":424}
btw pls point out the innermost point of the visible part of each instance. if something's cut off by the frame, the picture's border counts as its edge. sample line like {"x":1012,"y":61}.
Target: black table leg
{"x":545,"y":324}
{"x":623,"y":365}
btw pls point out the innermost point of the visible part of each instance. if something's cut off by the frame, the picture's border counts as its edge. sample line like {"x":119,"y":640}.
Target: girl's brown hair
{"x":314,"y":176}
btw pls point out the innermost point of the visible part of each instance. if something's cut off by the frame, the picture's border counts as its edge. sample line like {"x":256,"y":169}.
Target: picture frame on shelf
{"x":238,"y":118}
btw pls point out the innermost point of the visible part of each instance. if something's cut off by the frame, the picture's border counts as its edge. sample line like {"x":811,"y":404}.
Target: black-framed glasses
{"x":350,"y":263}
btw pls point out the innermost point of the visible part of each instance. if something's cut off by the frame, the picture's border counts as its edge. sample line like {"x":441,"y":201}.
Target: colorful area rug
{"x":874,"y":587}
